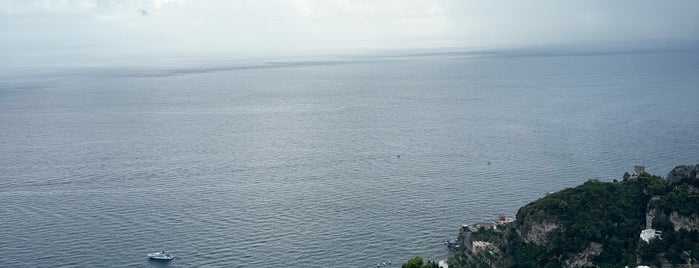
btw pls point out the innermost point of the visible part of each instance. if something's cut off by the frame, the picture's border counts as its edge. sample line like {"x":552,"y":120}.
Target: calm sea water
{"x":297,"y":165}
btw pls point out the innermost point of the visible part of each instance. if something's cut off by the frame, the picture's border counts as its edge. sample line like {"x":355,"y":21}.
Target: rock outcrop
{"x":597,"y":224}
{"x":537,"y":232}
{"x":682,"y":174}
{"x":679,"y":222}
{"x":584,"y":258}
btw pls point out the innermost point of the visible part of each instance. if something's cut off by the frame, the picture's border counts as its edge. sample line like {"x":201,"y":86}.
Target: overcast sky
{"x":106,"y":29}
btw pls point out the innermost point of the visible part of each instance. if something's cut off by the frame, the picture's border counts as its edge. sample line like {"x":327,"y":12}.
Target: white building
{"x":649,"y":234}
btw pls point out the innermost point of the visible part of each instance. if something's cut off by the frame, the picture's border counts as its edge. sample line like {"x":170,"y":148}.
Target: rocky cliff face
{"x":598,"y":224}
{"x":537,"y":232}
{"x":685,"y":179}
{"x":679,"y":222}
{"x":683,"y":174}
{"x":584,"y":258}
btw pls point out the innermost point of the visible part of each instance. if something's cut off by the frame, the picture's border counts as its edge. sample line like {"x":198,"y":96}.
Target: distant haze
{"x":96,"y":30}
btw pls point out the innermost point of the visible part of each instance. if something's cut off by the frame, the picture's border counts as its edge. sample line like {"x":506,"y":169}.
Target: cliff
{"x":597,"y":224}
{"x":683,"y":174}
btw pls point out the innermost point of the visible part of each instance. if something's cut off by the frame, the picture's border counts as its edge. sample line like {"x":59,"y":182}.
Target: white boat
{"x":161,"y":256}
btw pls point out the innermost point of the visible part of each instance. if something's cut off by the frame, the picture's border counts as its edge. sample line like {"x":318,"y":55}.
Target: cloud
{"x":98,"y":29}
{"x":158,"y":4}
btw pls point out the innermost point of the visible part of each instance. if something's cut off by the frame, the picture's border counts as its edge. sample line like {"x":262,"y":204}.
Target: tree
{"x":415,"y":262}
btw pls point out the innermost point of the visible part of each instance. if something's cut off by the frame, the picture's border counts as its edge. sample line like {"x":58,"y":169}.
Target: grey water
{"x":327,"y":164}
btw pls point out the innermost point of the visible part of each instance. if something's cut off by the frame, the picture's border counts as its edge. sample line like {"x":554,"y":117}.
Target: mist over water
{"x":346,"y":164}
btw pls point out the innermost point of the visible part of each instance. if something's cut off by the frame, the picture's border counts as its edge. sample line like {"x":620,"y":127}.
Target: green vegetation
{"x":676,"y":246}
{"x":603,"y":220}
{"x":611,"y":214}
{"x":466,"y":260}
{"x":495,"y":237}
{"x":417,"y":262}
{"x":683,"y":199}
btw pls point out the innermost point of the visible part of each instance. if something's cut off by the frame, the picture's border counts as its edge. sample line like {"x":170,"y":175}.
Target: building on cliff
{"x":650,"y":234}
{"x":637,"y":171}
{"x":486,"y":225}
{"x":502,"y":219}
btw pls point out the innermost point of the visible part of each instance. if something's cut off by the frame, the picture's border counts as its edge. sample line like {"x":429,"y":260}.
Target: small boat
{"x":452,"y":244}
{"x":160,"y":256}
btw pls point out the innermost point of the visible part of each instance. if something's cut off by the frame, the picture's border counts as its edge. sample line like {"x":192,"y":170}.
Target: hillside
{"x":598,"y":224}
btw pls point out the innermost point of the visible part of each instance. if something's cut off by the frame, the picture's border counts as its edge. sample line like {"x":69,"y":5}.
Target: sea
{"x":342,"y":162}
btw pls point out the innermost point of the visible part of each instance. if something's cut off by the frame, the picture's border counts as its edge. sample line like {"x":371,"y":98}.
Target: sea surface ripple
{"x":320,"y":165}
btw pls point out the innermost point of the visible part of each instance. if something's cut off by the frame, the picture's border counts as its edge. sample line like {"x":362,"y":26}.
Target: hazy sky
{"x":105,"y":29}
